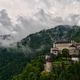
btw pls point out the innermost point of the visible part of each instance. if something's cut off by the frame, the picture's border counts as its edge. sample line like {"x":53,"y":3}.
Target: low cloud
{"x":20,"y":18}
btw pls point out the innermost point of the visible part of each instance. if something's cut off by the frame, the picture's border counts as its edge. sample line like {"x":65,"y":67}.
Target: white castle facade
{"x":72,"y":46}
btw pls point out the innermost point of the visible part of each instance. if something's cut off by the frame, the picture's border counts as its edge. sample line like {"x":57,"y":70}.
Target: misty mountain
{"x":44,"y":39}
{"x":14,"y":59}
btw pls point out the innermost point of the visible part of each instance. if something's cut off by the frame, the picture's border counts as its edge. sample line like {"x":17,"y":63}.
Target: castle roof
{"x":62,"y":42}
{"x":55,"y":49}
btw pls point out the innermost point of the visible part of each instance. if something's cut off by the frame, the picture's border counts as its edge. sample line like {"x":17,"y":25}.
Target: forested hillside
{"x":25,"y":59}
{"x":61,"y":71}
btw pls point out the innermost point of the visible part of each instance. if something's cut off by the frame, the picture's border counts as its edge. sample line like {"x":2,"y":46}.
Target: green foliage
{"x":31,"y":71}
{"x":11,"y":62}
{"x":45,"y":76}
{"x":65,"y":52}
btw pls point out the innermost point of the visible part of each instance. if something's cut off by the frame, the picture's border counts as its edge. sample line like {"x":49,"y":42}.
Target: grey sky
{"x":29,"y":16}
{"x":30,"y":7}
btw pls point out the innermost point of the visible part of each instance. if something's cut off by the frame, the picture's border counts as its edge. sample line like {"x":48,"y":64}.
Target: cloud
{"x":7,"y":32}
{"x":4,"y":19}
{"x":23,"y":17}
{"x":29,"y":7}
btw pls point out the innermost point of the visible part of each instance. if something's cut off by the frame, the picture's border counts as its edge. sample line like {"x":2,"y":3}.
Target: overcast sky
{"x":29,"y":16}
{"x":29,"y":7}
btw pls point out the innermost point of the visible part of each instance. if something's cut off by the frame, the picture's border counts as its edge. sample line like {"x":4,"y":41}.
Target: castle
{"x":72,"y":46}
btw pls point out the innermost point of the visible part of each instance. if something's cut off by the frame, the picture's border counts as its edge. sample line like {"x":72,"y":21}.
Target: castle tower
{"x":48,"y":63}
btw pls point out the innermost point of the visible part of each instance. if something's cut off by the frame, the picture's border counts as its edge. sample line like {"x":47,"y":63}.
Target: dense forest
{"x":61,"y":71}
{"x":25,"y":61}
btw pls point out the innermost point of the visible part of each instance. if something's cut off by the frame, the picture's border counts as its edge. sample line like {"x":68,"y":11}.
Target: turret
{"x":48,"y":63}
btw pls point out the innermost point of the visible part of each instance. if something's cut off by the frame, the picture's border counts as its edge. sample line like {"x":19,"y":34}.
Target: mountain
{"x":14,"y":59}
{"x":45,"y":38}
{"x":40,"y":44}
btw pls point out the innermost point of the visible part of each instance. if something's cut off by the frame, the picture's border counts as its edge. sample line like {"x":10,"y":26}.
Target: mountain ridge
{"x":31,"y":47}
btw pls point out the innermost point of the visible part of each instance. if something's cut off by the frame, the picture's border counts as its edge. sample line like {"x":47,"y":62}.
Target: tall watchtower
{"x":48,"y":63}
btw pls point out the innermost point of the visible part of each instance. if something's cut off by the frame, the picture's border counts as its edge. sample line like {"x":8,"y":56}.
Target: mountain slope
{"x":46,"y":36}
{"x":42,"y":41}
{"x":13,"y":60}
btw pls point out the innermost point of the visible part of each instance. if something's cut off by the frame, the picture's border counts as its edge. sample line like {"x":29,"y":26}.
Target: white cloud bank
{"x":24,"y":17}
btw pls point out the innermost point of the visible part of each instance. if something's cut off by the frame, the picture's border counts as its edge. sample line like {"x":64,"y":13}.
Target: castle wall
{"x":62,"y":46}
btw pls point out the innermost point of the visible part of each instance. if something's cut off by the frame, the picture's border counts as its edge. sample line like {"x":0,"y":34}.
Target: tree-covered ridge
{"x":11,"y":62}
{"x":45,"y":38}
{"x":14,"y":61}
{"x":61,"y":70}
